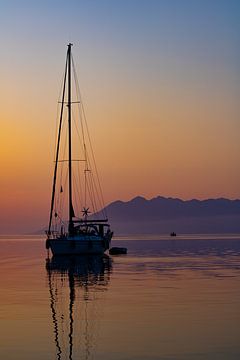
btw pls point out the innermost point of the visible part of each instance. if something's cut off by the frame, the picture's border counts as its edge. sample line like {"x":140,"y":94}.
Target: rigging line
{"x":57,"y":198}
{"x":88,"y":162}
{"x":62,"y":201}
{"x":85,"y":176}
{"x":73,"y":160}
{"x":83,"y":142}
{"x":58,"y":110}
{"x":92,"y":193}
{"x":78,"y":134}
{"x":96,"y":191}
{"x":66,"y":136}
{"x":64,"y":151}
{"x":57,"y":151}
{"x":93,"y":157}
{"x":96,"y":198}
{"x":64,"y":197}
{"x":76,"y":193}
{"x":72,"y":102}
{"x":95,"y":166}
{"x":56,"y":132}
{"x":74,"y":196}
{"x":77,"y":188}
{"x":90,"y":198}
{"x":78,"y":97}
{"x":58,"y":207}
{"x":61,"y":174}
{"x":59,"y":179}
{"x":80,"y":185}
{"x":82,"y":113}
{"x":80,"y":190}
{"x":96,"y":194}
{"x":86,"y":125}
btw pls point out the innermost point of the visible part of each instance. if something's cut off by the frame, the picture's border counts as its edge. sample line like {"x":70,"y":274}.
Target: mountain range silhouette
{"x":164,"y":215}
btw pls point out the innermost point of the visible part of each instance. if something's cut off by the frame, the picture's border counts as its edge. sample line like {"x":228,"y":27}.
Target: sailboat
{"x":77,"y":221}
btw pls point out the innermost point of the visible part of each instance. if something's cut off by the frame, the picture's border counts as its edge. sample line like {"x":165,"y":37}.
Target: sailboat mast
{"x":57,"y":150}
{"x":71,"y":211}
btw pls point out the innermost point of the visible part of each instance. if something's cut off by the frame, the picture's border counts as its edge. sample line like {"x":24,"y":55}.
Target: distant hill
{"x":163,"y":215}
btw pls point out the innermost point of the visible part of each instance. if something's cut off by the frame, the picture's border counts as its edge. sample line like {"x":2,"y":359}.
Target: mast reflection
{"x":76,"y":291}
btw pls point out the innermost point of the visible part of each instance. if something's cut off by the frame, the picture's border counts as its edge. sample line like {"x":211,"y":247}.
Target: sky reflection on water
{"x":168,"y":299}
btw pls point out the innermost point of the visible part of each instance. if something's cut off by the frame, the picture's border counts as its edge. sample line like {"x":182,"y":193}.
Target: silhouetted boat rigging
{"x":71,"y":229}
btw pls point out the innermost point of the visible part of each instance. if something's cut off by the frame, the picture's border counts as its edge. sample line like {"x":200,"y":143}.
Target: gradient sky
{"x":160,"y":83}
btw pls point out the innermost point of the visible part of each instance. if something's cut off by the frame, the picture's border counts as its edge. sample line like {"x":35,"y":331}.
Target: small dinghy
{"x":118,"y":250}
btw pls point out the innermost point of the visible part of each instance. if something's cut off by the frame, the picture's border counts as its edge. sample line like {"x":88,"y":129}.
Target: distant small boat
{"x":118,"y":251}
{"x":70,"y":234}
{"x":173,"y":234}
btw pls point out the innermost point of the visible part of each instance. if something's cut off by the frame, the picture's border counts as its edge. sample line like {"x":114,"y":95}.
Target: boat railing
{"x":52,"y":234}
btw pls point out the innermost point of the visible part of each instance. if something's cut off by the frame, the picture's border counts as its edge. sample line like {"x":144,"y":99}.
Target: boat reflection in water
{"x":77,"y":285}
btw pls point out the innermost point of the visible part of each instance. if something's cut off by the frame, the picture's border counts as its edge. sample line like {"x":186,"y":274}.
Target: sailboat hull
{"x":77,"y":246}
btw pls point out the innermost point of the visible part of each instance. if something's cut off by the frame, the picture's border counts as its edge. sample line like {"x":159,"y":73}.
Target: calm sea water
{"x":167,"y":299}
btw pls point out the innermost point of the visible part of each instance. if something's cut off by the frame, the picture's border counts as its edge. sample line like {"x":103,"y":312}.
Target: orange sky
{"x":163,"y":113}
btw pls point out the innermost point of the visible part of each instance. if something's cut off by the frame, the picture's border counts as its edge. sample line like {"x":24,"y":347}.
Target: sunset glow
{"x":161,"y":99}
